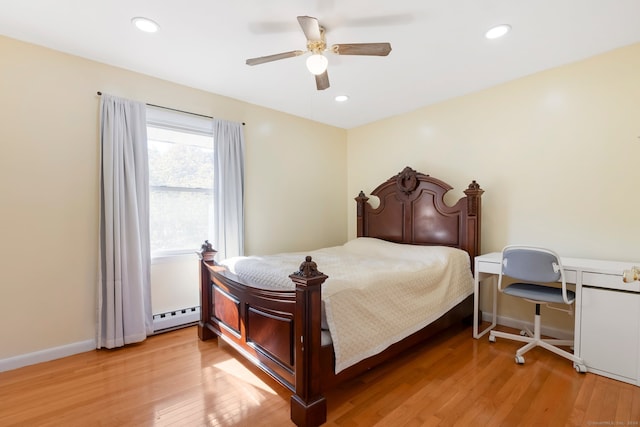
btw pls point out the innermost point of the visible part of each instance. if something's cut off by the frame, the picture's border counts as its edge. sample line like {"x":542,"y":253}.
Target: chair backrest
{"x":531,"y":264}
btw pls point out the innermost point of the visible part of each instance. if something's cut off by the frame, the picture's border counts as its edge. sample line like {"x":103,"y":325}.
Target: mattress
{"x":377,"y":292}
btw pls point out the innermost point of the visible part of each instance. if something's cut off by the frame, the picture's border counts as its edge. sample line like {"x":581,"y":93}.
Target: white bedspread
{"x":377,"y":292}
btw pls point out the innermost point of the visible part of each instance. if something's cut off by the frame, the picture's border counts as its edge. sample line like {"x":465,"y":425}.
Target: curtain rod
{"x":174,"y":109}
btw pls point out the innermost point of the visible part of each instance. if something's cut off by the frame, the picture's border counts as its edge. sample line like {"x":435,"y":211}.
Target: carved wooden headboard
{"x":412,"y":211}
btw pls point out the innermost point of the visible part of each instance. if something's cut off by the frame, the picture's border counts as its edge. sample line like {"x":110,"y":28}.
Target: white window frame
{"x":188,"y":123}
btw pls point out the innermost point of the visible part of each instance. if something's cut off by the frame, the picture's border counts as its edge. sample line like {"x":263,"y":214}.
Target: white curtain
{"x":124,"y":299}
{"x":228,"y":190}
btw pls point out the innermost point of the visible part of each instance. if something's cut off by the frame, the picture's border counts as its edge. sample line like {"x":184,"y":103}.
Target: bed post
{"x":360,"y":200}
{"x":308,"y":405}
{"x":206,"y":255}
{"x":474,"y":198}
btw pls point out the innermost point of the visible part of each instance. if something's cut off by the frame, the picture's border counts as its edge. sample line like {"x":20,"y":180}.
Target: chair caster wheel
{"x":520,"y":360}
{"x":580,"y":368}
{"x":492,"y":338}
{"x":523,"y":333}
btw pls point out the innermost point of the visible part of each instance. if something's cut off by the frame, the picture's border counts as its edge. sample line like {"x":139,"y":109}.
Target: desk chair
{"x":536,"y":269}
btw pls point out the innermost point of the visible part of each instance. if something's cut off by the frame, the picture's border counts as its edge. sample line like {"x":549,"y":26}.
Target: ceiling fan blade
{"x":277,"y":56}
{"x":322,"y":81}
{"x":375,"y":49}
{"x":310,"y":28}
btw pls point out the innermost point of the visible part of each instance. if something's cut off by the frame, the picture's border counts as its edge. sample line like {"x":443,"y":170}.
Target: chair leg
{"x":522,"y":350}
{"x":509,"y":336}
{"x":533,"y":339}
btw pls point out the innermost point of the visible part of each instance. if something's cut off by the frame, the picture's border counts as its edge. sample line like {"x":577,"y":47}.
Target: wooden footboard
{"x":278,"y":331}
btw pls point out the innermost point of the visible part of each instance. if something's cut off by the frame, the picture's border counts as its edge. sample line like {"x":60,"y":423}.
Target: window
{"x":180,"y":181}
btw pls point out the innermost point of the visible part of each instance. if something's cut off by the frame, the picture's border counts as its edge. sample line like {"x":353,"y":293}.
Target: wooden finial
{"x":308,"y":268}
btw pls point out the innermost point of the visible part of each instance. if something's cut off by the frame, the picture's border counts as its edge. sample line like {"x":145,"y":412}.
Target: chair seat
{"x":543,"y":294}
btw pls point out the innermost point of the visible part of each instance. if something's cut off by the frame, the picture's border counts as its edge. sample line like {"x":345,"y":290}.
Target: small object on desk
{"x":631,"y":275}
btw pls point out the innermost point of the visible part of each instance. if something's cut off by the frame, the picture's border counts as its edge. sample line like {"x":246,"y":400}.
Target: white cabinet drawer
{"x":608,"y":281}
{"x":489,"y":267}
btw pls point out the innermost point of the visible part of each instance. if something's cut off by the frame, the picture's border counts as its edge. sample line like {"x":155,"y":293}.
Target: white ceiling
{"x":439,"y":51}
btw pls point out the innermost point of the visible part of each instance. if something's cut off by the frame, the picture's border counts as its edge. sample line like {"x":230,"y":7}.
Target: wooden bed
{"x":280,"y":331}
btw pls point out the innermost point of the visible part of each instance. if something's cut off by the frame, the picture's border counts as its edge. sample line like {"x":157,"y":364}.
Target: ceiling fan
{"x":316,"y":45}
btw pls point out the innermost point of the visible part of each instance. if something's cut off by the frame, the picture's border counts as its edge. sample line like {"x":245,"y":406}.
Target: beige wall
{"x":295,"y":190}
{"x":556,"y":153}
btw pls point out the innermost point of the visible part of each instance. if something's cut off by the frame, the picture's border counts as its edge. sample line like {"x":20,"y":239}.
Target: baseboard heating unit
{"x":175,"y":319}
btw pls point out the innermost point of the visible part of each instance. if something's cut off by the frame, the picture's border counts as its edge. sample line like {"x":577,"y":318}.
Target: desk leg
{"x":476,"y":305}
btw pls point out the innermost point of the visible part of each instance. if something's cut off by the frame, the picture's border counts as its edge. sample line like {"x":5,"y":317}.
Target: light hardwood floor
{"x":173,"y":379}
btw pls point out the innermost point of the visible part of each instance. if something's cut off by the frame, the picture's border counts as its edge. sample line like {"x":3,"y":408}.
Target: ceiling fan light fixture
{"x":316,"y":45}
{"x":145,"y":24}
{"x":317,"y":64}
{"x":497,"y":31}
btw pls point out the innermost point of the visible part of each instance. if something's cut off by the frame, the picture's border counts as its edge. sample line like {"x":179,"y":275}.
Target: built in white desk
{"x":607,"y":313}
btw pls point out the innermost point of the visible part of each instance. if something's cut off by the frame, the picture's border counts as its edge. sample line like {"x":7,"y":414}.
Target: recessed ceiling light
{"x":498,"y":31}
{"x":341,"y":98}
{"x":145,"y":24}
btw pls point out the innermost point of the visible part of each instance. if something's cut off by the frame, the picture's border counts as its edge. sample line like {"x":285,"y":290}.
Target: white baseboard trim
{"x":562,"y":334}
{"x":46,"y":355}
{"x":176,"y":319}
